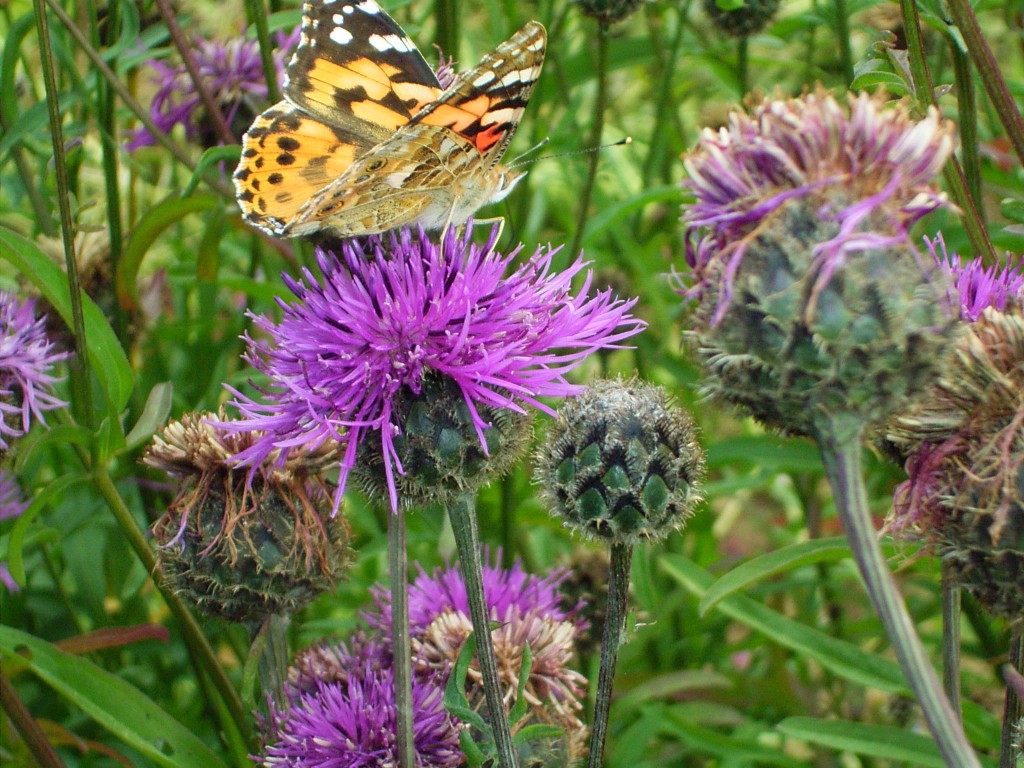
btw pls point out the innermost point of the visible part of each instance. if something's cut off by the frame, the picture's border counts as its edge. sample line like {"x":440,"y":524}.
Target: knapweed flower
{"x":232,"y":71}
{"x":419,"y":358}
{"x":349,"y":720}
{"x":241,"y":544}
{"x":963,"y":443}
{"x":813,"y":299}
{"x":27,"y":358}
{"x":622,"y":464}
{"x":12,"y":504}
{"x":530,"y":613}
{"x":976,"y":287}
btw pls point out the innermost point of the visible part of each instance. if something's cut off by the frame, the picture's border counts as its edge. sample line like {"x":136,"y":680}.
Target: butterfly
{"x":366,"y":139}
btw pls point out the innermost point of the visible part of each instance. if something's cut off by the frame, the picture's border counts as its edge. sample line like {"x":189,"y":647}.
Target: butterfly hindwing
{"x":485,"y":104}
{"x":355,"y":68}
{"x":287,"y":157}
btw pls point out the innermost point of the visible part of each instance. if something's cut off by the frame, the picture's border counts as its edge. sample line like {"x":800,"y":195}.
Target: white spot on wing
{"x":368,"y":6}
{"x":341,"y":36}
{"x":390,"y":42}
{"x":484,"y":79}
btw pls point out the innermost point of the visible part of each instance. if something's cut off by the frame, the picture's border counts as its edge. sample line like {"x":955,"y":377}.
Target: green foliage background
{"x":785,"y":664}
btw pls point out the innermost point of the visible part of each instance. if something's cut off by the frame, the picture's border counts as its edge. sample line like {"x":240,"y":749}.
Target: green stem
{"x":600,"y":104}
{"x":1013,"y":710}
{"x":398,"y":569}
{"x":967,"y":120}
{"x":839,"y":439}
{"x":924,"y":94}
{"x":951,"y":637}
{"x":614,"y":622}
{"x":201,"y":86}
{"x":991,"y":73}
{"x":258,"y":18}
{"x":270,"y":646}
{"x":664,"y":106}
{"x":137,"y":109}
{"x":743,"y":65}
{"x":81,"y":391}
{"x":190,"y":628}
{"x":467,"y":539}
{"x":842,"y":29}
{"x":38,"y":745}
{"x":447,"y":16}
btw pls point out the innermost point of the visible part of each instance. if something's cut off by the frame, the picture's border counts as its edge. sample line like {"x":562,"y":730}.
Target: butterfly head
{"x":504,"y":180}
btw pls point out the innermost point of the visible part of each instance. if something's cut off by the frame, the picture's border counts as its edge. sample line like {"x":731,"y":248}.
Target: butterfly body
{"x":367,"y":140}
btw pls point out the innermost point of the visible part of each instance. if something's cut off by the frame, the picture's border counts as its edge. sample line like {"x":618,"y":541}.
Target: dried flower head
{"x":623,"y":463}
{"x":243,"y":545}
{"x":232,"y":71}
{"x":12,"y":504}
{"x":27,"y":359}
{"x":350,"y":721}
{"x":390,"y":318}
{"x":608,"y":12}
{"x":963,"y":443}
{"x":813,"y":299}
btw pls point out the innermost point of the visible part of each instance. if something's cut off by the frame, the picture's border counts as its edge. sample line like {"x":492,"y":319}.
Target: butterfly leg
{"x":500,"y":220}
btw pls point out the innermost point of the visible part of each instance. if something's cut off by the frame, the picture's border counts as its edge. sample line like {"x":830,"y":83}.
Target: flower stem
{"x":1014,"y":708}
{"x":839,"y":442}
{"x":597,"y":130}
{"x":270,"y":644}
{"x":951,"y":636}
{"x":615,"y":619}
{"x":190,"y":629}
{"x":398,"y":569}
{"x":467,"y":539}
{"x":257,"y":14}
{"x":38,"y":745}
{"x":991,"y":74}
{"x":79,"y":364}
{"x":842,"y":29}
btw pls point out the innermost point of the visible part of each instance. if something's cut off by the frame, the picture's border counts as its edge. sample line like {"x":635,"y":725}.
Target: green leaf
{"x":745,"y":751}
{"x":119,"y":707}
{"x":843,"y":658}
{"x":105,"y":354}
{"x":672,"y":684}
{"x":519,"y":708}
{"x":884,"y":742}
{"x":229,"y":153}
{"x":766,"y":566}
{"x":154,"y":414}
{"x":149,"y":228}
{"x":22,"y":525}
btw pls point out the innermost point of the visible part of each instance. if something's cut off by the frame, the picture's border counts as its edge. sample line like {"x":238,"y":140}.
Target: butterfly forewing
{"x":357,"y":69}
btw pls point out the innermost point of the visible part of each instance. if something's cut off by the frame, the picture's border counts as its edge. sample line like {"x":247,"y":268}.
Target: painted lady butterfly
{"x":367,"y":140}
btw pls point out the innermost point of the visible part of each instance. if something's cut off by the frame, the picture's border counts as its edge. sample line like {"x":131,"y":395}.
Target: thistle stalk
{"x":839,"y":442}
{"x":467,"y":539}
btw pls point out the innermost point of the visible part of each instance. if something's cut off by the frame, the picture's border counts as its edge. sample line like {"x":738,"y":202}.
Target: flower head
{"x":748,"y":19}
{"x":233,"y":72}
{"x":244,"y":545}
{"x":351,"y":722}
{"x":530,"y":612}
{"x":27,"y":358}
{"x":866,"y":171}
{"x":976,"y":287}
{"x":12,"y":504}
{"x":813,"y":300}
{"x":391,"y":315}
{"x":624,"y":463}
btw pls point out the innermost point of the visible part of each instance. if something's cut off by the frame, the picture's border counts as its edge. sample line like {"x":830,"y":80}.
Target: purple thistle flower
{"x":12,"y":504}
{"x":390,"y":311}
{"x":350,"y":721}
{"x":27,"y":357}
{"x":506,"y":591}
{"x":233,"y":72}
{"x":862,"y":169}
{"x":975,"y":286}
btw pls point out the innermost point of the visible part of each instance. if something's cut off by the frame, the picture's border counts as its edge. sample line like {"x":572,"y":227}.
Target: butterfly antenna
{"x":530,"y":151}
{"x":517,"y":162}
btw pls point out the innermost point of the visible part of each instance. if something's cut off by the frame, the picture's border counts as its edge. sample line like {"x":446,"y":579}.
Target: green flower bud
{"x":439,"y":447}
{"x":751,"y":18}
{"x":622,"y":463}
